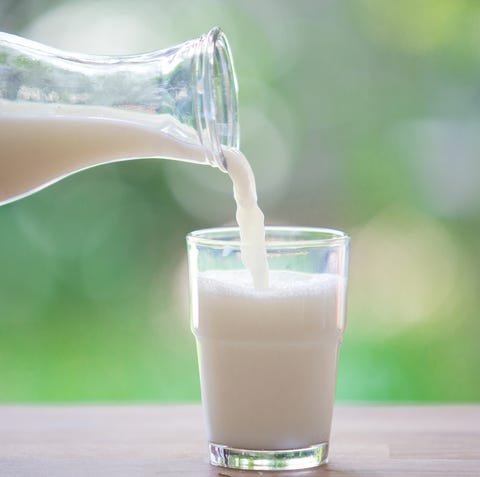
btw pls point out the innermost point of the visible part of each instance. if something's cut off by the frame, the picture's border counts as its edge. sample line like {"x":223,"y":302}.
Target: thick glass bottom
{"x":286,"y":459}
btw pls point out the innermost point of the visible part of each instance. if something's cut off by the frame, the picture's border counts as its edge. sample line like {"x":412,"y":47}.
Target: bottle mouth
{"x":217,"y":108}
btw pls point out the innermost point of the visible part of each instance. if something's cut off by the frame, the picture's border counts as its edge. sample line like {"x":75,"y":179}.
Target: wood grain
{"x":367,"y":441}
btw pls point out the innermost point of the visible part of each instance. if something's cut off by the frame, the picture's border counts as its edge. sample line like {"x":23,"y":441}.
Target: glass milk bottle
{"x":64,"y":112}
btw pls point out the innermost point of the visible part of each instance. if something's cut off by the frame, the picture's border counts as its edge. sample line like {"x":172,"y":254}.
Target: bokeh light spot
{"x":403,"y":271}
{"x":412,"y":26}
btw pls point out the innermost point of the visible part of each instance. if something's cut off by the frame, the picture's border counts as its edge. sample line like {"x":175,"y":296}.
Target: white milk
{"x":40,"y":144}
{"x":268,"y":358}
{"x":250,"y":218}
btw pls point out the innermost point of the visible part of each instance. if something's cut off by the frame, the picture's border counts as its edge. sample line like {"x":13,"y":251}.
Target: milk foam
{"x":282,"y":283}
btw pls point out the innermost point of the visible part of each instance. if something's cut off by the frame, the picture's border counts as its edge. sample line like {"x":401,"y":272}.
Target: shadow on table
{"x":322,"y":471}
{"x":216,"y":472}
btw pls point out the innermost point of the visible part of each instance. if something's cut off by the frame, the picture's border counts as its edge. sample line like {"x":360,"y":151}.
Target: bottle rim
{"x":217,"y":97}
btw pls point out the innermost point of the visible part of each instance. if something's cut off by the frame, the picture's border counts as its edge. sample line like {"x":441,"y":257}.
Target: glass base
{"x":287,"y":459}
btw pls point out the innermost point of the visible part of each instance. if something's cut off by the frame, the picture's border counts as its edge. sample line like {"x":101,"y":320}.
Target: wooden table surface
{"x":367,"y":441}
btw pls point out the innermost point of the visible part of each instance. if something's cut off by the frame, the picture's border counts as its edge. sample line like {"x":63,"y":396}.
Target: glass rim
{"x":276,"y":236}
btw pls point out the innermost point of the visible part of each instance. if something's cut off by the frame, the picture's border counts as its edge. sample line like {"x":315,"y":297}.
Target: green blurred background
{"x":362,"y":115}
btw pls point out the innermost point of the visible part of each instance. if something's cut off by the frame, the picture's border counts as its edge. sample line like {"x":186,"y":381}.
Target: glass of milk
{"x":268,"y":357}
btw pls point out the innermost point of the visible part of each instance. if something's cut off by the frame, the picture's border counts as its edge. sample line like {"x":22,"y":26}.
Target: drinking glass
{"x":268,"y":358}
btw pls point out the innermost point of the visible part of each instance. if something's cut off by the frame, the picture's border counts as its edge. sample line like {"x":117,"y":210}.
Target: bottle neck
{"x":216,"y":97}
{"x":192,"y":83}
